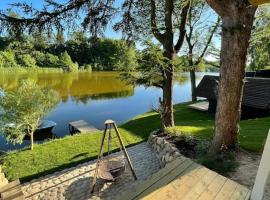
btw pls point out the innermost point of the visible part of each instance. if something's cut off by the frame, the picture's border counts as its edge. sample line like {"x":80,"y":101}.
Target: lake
{"x":93,"y":97}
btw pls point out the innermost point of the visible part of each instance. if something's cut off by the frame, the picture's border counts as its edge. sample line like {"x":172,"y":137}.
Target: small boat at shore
{"x":44,"y":126}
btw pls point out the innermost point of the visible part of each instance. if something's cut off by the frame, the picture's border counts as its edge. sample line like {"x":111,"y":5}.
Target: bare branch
{"x":208,"y":41}
{"x":182,"y":29}
{"x":155,"y":30}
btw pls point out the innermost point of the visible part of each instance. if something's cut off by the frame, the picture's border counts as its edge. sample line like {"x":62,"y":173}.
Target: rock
{"x":176,"y":154}
{"x":168,"y":147}
{"x":167,"y":156}
{"x":157,"y":148}
{"x":159,"y":141}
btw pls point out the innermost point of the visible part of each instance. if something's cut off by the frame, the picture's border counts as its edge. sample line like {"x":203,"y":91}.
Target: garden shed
{"x":256,"y":95}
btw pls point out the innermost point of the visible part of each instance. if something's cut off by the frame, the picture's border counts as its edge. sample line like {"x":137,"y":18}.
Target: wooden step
{"x":9,"y":186}
{"x":12,"y":191}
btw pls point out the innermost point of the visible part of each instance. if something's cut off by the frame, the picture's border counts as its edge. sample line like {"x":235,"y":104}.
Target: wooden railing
{"x":263,"y":173}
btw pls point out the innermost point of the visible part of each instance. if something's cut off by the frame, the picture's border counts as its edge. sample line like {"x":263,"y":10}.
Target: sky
{"x":109,"y":33}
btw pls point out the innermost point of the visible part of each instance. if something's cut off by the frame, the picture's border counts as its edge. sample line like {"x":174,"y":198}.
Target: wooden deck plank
{"x":163,"y":181}
{"x":143,"y":185}
{"x":180,"y":186}
{"x":201,"y":106}
{"x":241,"y":192}
{"x":199,"y":187}
{"x":9,"y":186}
{"x":11,"y":193}
{"x":212,"y":190}
{"x":184,"y":179}
{"x":227,"y":190}
{"x":82,"y":126}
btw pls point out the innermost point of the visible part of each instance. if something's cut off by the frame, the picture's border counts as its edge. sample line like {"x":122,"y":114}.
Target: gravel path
{"x":74,"y":183}
{"x":247,"y":171}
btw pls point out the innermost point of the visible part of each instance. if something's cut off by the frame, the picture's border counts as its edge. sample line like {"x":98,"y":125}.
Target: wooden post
{"x":263,"y":172}
{"x":125,"y":151}
{"x":107,"y":124}
{"x":98,"y":159}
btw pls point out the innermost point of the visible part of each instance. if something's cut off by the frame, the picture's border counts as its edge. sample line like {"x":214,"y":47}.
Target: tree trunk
{"x":167,"y":104}
{"x":32,"y":139}
{"x":193,"y":84}
{"x":235,"y":41}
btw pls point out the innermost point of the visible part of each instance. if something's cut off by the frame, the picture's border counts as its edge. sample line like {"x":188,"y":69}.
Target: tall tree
{"x":200,"y":32}
{"x":160,"y":16}
{"x":237,"y":21}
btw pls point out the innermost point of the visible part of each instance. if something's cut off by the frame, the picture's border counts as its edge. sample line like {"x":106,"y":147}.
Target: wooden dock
{"x":201,"y":106}
{"x":81,"y":126}
{"x":184,"y":179}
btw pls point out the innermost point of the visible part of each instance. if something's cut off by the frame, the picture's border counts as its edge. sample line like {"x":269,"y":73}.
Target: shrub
{"x":67,"y":64}
{"x":46,"y":59}
{"x":7,"y":59}
{"x":26,"y":60}
{"x":87,"y":67}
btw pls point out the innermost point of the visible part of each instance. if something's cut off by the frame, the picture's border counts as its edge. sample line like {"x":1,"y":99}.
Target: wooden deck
{"x":81,"y":126}
{"x":201,"y":106}
{"x":184,"y":179}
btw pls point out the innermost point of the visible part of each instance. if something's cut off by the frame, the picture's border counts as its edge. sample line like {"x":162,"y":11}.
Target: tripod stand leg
{"x":125,"y":151}
{"x":98,"y":159}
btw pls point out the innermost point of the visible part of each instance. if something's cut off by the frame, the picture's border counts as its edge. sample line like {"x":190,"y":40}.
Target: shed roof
{"x":256,"y":91}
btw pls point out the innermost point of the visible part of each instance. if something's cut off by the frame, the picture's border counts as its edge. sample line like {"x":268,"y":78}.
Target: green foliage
{"x":7,"y":59}
{"x":151,"y":66}
{"x":61,"y":153}
{"x":101,"y":54}
{"x":260,"y":42}
{"x":24,"y":108}
{"x":26,"y":60}
{"x":67,"y":64}
{"x":45,"y":59}
{"x":223,"y":163}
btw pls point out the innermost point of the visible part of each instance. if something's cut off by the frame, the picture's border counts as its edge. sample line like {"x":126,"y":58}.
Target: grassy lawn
{"x":72,"y":150}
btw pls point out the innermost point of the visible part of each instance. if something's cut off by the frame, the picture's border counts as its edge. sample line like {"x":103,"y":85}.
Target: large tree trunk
{"x":168,"y":118}
{"x":236,"y":32}
{"x":167,"y":103}
{"x":193,"y":84}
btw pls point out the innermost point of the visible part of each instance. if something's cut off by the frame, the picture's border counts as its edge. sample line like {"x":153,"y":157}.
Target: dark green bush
{"x":26,"y":60}
{"x":8,"y":59}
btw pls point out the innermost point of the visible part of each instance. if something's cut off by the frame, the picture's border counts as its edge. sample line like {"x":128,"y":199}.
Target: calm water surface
{"x":94,"y":97}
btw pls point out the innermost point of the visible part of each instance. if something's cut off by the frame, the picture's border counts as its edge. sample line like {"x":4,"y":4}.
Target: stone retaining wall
{"x":165,"y":151}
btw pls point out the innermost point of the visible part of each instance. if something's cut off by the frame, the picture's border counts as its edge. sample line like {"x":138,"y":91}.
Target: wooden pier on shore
{"x":81,"y":126}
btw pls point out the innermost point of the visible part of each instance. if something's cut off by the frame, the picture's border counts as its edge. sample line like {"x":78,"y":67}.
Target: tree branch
{"x":154,"y":28}
{"x":182,"y":29}
{"x":208,"y":41}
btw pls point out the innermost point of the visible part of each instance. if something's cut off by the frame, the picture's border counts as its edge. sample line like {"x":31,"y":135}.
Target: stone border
{"x":165,"y":151}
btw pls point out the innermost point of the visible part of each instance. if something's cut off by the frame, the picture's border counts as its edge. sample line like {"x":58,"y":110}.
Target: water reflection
{"x":93,"y":97}
{"x":80,"y":86}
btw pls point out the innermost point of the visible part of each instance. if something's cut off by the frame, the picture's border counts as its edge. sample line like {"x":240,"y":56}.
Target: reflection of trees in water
{"x":86,"y":98}
{"x":79,"y":86}
{"x":181,"y":79}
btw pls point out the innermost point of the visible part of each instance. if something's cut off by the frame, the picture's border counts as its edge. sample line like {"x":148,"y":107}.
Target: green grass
{"x":69,"y":151}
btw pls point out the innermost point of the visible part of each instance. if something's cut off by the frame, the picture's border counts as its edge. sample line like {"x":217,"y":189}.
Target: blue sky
{"x":110,"y":33}
{"x":4,"y":4}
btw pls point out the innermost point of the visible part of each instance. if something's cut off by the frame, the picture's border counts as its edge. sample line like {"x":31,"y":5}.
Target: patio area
{"x":75,"y":183}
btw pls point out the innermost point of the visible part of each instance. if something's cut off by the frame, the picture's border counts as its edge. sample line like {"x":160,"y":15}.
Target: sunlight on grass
{"x":69,"y":151}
